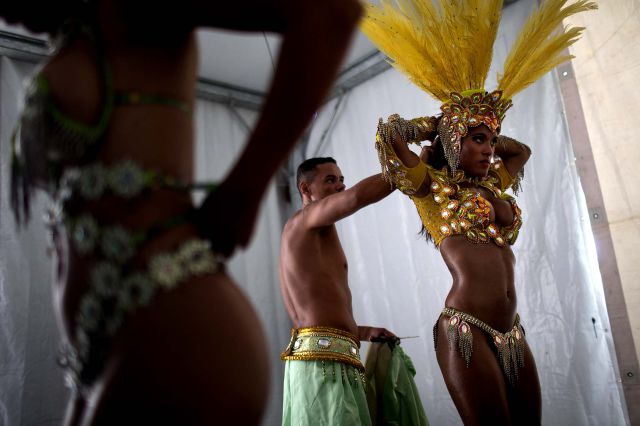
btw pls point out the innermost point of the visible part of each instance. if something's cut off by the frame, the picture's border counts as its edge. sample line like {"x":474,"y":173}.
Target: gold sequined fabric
{"x":451,"y":207}
{"x":323,"y":344}
{"x":509,"y":345}
{"x":406,"y":179}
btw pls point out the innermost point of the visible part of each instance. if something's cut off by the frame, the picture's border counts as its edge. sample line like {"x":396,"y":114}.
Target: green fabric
{"x":323,"y":393}
{"x":137,"y":98}
{"x":391,"y":391}
{"x":91,"y":132}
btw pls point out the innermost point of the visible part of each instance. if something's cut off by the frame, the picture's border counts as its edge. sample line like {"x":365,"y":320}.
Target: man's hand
{"x":375,"y":334}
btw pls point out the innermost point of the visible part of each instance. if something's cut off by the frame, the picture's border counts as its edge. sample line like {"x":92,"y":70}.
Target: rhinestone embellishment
{"x":324,"y":343}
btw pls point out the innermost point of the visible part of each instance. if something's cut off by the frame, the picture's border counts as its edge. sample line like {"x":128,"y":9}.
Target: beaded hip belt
{"x":510,"y":345}
{"x":323,"y":344}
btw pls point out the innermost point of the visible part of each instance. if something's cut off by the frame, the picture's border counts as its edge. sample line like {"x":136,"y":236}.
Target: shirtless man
{"x":323,"y":373}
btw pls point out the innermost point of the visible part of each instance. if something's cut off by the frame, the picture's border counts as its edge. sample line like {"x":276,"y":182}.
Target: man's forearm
{"x":371,"y":190}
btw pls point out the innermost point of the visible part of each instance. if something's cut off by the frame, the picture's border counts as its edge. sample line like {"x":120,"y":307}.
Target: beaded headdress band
{"x":446,"y":50}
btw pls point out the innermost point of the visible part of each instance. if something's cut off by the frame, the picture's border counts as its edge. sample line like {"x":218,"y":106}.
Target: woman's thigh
{"x":196,"y":355}
{"x":479,"y":391}
{"x":525,"y":400}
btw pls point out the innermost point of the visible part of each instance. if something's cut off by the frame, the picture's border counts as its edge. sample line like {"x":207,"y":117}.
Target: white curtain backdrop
{"x":31,"y":384}
{"x":400,"y":282}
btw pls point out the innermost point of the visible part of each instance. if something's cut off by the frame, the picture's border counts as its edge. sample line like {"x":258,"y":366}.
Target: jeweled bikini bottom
{"x":116,"y":291}
{"x":509,"y":345}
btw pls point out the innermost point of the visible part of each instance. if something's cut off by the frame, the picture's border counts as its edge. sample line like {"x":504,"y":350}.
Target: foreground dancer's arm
{"x":282,"y":121}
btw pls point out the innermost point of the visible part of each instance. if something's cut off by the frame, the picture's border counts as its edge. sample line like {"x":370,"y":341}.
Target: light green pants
{"x":323,"y":393}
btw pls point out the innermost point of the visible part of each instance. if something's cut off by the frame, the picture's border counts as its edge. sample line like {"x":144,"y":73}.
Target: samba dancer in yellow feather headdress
{"x":445,"y":48}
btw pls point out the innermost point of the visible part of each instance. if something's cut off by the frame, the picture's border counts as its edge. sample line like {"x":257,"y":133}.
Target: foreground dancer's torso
{"x":147,"y":309}
{"x":483,"y":279}
{"x":121,"y":231}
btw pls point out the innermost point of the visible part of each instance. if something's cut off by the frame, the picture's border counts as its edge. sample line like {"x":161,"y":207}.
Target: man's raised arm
{"x":331,"y":209}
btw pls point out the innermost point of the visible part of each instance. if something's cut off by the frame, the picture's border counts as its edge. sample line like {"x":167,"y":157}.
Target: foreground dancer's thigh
{"x":479,"y":391}
{"x":180,"y":362}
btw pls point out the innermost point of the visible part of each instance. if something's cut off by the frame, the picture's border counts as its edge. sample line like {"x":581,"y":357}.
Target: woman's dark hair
{"x":437,"y":160}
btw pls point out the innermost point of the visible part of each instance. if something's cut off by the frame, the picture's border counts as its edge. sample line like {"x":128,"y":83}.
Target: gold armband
{"x":500,"y":171}
{"x":406,"y":179}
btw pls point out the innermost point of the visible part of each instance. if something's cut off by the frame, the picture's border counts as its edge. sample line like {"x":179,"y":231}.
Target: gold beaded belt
{"x":323,"y":344}
{"x":510,"y":345}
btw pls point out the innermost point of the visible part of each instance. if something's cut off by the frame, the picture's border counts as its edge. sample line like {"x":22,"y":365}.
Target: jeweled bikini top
{"x":451,"y":207}
{"x":47,"y":141}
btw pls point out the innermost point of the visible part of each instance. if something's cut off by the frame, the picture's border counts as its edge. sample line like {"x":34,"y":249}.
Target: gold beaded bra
{"x":451,"y":207}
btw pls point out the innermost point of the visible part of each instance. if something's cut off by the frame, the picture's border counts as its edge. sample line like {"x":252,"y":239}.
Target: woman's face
{"x":477,"y":149}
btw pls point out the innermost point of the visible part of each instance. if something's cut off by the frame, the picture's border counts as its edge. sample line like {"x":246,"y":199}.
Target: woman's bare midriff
{"x":483,"y":280}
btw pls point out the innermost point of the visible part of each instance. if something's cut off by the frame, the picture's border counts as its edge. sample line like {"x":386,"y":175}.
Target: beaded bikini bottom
{"x":509,"y":345}
{"x":115,"y":293}
{"x":117,"y":286}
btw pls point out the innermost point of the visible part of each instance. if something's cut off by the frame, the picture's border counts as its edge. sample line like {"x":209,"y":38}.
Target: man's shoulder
{"x":297,"y":223}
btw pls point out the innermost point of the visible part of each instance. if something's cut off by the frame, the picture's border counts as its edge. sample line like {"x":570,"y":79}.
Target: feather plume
{"x":541,"y":45}
{"x":441,"y":47}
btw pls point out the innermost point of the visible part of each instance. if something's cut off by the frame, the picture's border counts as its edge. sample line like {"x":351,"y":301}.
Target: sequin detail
{"x":323,"y":344}
{"x":510,"y":345}
{"x":115,"y":292}
{"x":453,"y":206}
{"x":461,"y":112}
{"x":454,"y":209}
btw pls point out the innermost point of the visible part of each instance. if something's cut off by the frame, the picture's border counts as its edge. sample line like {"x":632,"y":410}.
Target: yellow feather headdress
{"x":445,"y":48}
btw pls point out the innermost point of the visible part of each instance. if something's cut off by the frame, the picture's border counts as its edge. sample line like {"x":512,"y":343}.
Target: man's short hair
{"x":307,"y":169}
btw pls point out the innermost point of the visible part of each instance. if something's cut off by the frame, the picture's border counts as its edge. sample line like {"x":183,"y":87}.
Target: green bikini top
{"x":47,"y":141}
